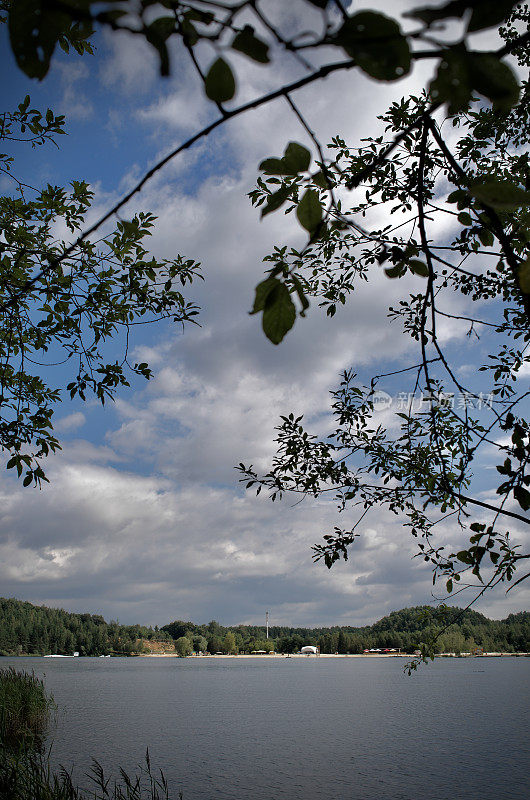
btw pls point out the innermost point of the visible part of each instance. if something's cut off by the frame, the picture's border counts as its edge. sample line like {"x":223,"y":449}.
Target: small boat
{"x":56,"y":655}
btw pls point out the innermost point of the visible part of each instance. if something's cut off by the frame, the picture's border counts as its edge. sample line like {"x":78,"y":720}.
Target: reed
{"x":25,"y":709}
{"x":25,"y":770}
{"x":28,"y":776}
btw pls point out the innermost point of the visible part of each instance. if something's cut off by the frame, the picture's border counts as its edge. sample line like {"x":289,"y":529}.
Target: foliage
{"x":230,"y":646}
{"x":417,"y":460}
{"x":183,"y":646}
{"x":25,"y":710}
{"x":29,"y":629}
{"x":26,"y":629}
{"x":200,"y":643}
{"x":406,"y":629}
{"x":63,"y":300}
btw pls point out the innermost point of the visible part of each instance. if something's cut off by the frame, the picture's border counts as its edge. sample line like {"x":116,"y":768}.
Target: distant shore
{"x":220,"y":656}
{"x":282,"y":655}
{"x":330,"y":655}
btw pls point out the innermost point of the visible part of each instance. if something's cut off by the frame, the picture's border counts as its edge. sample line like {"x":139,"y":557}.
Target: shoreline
{"x":280,"y":655}
{"x":283,"y":655}
{"x":331,"y":655}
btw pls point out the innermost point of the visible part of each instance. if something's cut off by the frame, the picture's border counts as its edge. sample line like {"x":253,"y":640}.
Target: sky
{"x":144,"y":519}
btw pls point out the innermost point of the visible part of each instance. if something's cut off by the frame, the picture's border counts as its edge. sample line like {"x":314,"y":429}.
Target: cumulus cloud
{"x":145,"y":548}
{"x":71,"y":422}
{"x":75,"y":102}
{"x":144,"y":518}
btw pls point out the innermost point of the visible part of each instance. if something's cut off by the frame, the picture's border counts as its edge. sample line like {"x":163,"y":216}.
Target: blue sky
{"x":144,"y":519}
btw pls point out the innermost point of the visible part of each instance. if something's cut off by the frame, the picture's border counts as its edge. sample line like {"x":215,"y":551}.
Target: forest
{"x":26,"y":629}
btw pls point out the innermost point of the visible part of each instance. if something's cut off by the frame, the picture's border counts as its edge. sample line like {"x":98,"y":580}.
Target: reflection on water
{"x":288,"y":729}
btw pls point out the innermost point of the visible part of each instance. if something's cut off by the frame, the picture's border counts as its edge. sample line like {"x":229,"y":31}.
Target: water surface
{"x":287,"y":729}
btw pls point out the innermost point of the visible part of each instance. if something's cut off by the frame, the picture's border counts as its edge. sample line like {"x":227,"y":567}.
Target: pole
{"x":267,"y":622}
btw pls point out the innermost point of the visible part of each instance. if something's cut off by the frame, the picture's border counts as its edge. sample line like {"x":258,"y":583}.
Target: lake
{"x":287,"y":729}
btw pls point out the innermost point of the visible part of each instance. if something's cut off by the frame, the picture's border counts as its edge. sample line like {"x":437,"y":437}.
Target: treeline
{"x":403,"y":630}
{"x":26,"y":629}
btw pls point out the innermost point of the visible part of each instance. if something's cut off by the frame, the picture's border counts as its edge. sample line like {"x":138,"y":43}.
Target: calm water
{"x":288,"y":729}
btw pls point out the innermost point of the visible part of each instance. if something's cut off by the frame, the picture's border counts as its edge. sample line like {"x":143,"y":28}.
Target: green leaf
{"x":301,"y":294}
{"x":465,"y":557}
{"x":296,"y":157}
{"x":485,"y":13}
{"x":275,"y":166}
{"x":495,"y":80}
{"x":478,"y":527}
{"x":394,"y":272}
{"x":452,"y":83}
{"x":319,"y":179}
{"x":418,"y":268}
{"x":219,"y":83}
{"x":204,"y":17}
{"x":456,"y":196}
{"x":189,"y":32}
{"x":523,"y":277}
{"x":465,"y":219}
{"x":449,"y":585}
{"x":245,"y":42}
{"x":522,"y":496}
{"x":161,"y":28}
{"x":157,"y":33}
{"x":275,"y":200}
{"x":428,"y":15}
{"x":376,"y":43}
{"x":309,"y":210}
{"x":489,"y":13}
{"x":460,"y":73}
{"x":34,"y":30}
{"x":486,"y":237}
{"x":263,"y":289}
{"x":279,"y":313}
{"x":500,"y":194}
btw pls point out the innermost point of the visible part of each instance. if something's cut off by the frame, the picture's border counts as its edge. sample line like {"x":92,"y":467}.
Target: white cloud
{"x":75,"y":102}
{"x":144,"y":519}
{"x":71,"y":422}
{"x":153,"y":551}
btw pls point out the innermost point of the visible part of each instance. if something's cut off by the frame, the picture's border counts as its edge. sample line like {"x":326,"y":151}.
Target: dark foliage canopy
{"x":26,"y":629}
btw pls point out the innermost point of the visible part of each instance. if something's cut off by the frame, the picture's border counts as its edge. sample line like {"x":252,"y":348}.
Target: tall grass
{"x":25,"y":710}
